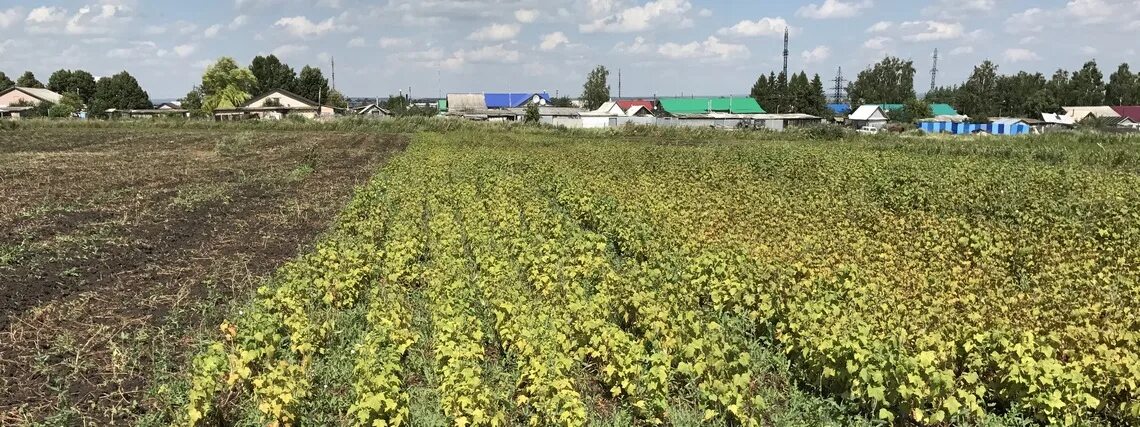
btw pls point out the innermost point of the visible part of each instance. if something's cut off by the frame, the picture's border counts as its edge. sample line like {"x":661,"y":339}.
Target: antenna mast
{"x":838,"y":88}
{"x":619,"y":83}
{"x":785,"y":51}
{"x":333,"y":72}
{"x":934,"y":72}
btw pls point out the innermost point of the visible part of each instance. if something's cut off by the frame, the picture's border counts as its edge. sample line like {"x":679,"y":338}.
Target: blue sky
{"x":664,"y":47}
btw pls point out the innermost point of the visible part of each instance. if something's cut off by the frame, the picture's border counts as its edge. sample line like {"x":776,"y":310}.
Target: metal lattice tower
{"x":786,"y":51}
{"x":838,"y":88}
{"x":333,"y":72}
{"x":934,"y":72}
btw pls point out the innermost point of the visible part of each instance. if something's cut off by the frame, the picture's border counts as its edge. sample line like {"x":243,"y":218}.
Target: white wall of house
{"x":16,"y":97}
{"x":284,"y":100}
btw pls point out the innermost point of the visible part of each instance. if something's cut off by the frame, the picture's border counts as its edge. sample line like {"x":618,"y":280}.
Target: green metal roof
{"x":742,"y":105}
{"x":938,"y":109}
{"x":443,"y":105}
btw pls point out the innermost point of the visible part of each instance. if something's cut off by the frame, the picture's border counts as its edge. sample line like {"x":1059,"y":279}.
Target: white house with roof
{"x":16,"y":100}
{"x":275,"y":105}
{"x":868,"y":116}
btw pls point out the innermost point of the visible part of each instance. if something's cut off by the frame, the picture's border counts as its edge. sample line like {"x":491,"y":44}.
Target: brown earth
{"x":119,"y":245}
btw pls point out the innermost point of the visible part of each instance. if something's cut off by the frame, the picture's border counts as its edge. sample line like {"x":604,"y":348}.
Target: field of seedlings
{"x":494,"y":278}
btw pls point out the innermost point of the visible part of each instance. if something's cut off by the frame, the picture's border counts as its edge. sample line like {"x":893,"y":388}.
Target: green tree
{"x":226,"y":85}
{"x":596,"y":91}
{"x":912,"y":111}
{"x":1087,"y":85}
{"x":532,"y":114}
{"x":1060,"y":87}
{"x":1123,"y":87}
{"x":336,"y":99}
{"x":978,"y":97}
{"x":817,"y":101}
{"x":68,"y":105}
{"x":5,"y":82}
{"x":79,"y":82}
{"x":120,"y":91}
{"x":272,"y":74}
{"x":888,"y":82}
{"x":562,"y":101}
{"x":312,"y":84}
{"x":1022,"y":94}
{"x":942,"y":95}
{"x":29,"y":80}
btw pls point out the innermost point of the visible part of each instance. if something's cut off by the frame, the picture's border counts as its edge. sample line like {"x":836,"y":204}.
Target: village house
{"x":14,"y":101}
{"x":275,"y":105}
{"x":868,"y":116}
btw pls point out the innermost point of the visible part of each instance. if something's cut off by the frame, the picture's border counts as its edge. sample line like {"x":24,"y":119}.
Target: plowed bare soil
{"x":118,"y":244}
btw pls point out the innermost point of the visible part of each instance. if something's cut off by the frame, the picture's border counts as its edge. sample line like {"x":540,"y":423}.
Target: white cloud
{"x":832,"y":9}
{"x":638,"y":46}
{"x":1027,"y":21}
{"x":9,"y":17}
{"x":1028,"y":40}
{"x":137,"y":50}
{"x":1020,"y":55}
{"x":705,"y":13}
{"x":99,"y":19}
{"x":289,"y":50}
{"x":4,"y":45}
{"x":300,"y":26}
{"x":391,"y":42}
{"x":526,"y":16}
{"x":212,"y":31}
{"x":819,"y":54}
{"x":1089,"y":50}
{"x":771,"y":27}
{"x":711,"y":48}
{"x":553,"y":40}
{"x":357,"y":42}
{"x":185,"y":50}
{"x":154,"y":30}
{"x":959,"y":6}
{"x":495,"y":32}
{"x":489,"y":54}
{"x":638,"y":18}
{"x":881,"y":26}
{"x":238,"y":22}
{"x":1094,"y":11}
{"x":45,"y":19}
{"x":962,"y":50}
{"x":877,"y":43}
{"x":923,"y":31}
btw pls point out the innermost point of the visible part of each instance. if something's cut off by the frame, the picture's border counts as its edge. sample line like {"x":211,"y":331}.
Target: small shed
{"x":463,"y":103}
{"x":868,"y":115}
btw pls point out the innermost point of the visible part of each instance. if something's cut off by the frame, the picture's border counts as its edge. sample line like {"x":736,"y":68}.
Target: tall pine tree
{"x":1123,"y":87}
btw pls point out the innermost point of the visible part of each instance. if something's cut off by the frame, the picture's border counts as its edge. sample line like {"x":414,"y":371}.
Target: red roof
{"x":1131,"y":112}
{"x":626,"y":105}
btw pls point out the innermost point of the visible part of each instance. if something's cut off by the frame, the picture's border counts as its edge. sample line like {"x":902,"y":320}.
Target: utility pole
{"x":333,"y":72}
{"x":619,"y":83}
{"x":934,"y":72}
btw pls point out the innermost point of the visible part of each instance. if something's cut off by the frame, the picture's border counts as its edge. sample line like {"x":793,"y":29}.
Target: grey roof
{"x":41,"y":94}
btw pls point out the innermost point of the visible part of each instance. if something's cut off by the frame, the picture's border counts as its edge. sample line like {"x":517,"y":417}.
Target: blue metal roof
{"x":512,"y":100}
{"x":839,"y":108}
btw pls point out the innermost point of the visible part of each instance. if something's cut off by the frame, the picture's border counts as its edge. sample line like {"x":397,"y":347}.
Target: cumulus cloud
{"x":638,"y":18}
{"x":300,"y":26}
{"x":819,"y":54}
{"x":553,"y":40}
{"x":9,"y":17}
{"x":923,"y":31}
{"x":1020,"y":55}
{"x":495,"y":32}
{"x":962,"y":50}
{"x":185,"y":50}
{"x":238,"y":22}
{"x":638,"y":46}
{"x":832,"y":9}
{"x":877,"y":43}
{"x":881,"y":26}
{"x":357,"y":42}
{"x":212,"y":31}
{"x":526,"y":16}
{"x":771,"y":27}
{"x":289,"y":50}
{"x":391,"y":42}
{"x":711,"y":48}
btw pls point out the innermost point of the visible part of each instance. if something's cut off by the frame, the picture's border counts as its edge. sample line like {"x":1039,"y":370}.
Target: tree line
{"x":79,"y":88}
{"x":986,"y":93}
{"x":225,"y":84}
